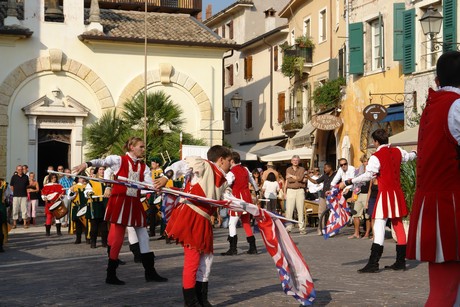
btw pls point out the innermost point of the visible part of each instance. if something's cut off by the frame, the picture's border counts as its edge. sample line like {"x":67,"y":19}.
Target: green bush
{"x":408,"y":182}
{"x":328,"y":95}
{"x":292,"y":65}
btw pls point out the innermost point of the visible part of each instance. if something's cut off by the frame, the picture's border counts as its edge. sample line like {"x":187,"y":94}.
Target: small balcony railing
{"x":192,"y":7}
{"x":292,"y":121}
{"x":306,"y":53}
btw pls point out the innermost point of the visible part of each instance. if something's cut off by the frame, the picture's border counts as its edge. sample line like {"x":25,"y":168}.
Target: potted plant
{"x":304,"y":42}
{"x":292,"y":65}
{"x":328,"y":95}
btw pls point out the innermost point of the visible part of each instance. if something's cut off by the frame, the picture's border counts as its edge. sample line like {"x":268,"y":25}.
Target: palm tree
{"x":104,"y":135}
{"x":164,"y":123}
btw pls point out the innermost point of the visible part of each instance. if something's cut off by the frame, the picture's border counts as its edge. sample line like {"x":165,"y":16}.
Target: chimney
{"x":209,"y":11}
{"x":270,"y":19}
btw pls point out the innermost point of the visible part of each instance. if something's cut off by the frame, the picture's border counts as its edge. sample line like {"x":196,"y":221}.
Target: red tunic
{"x":390,"y":200}
{"x":124,"y":206}
{"x":53,"y":192}
{"x":191,"y":225}
{"x":434,"y":231}
{"x":240,"y":186}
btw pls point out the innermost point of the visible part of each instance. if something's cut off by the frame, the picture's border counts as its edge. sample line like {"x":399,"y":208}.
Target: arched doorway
{"x":331,"y":149}
{"x":53,"y":149}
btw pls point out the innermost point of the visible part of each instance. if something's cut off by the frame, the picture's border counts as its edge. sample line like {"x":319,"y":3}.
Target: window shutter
{"x":227,"y":122}
{"x":230,"y":25}
{"x":230,"y":76}
{"x":281,"y":107}
{"x":398,"y":10}
{"x":381,"y":50}
{"x":409,"y":41}
{"x":333,"y":69}
{"x":248,"y":67}
{"x":449,"y":25}
{"x":223,"y":31}
{"x":249,"y":115}
{"x":355,"y":31}
{"x":275,"y":58}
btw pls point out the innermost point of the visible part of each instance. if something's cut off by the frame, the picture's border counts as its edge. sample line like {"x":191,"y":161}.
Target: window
{"x":248,"y":68}
{"x":229,"y":76}
{"x":307,"y":27}
{"x":322,"y":26}
{"x":376,"y":44}
{"x":229,"y":29}
{"x":227,"y":123}
{"x":281,"y":107}
{"x":248,"y":114}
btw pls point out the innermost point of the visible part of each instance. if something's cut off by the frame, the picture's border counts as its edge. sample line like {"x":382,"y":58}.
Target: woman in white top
{"x":270,"y":189}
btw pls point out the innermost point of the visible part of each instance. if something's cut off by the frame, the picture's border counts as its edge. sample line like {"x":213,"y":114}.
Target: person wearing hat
{"x":270,"y":169}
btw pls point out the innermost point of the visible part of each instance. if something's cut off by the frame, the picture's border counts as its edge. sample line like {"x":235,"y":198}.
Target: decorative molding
{"x":56,"y":59}
{"x":165,"y":73}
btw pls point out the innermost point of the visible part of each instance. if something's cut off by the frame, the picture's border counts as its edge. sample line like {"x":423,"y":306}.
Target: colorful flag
{"x":339,"y":215}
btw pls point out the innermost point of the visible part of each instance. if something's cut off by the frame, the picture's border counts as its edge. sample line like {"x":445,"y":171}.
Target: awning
{"x":201,"y":151}
{"x":395,"y":112}
{"x":263,"y":148}
{"x":303,"y":136}
{"x":246,"y":156}
{"x":303,"y":153}
{"x":407,"y":137}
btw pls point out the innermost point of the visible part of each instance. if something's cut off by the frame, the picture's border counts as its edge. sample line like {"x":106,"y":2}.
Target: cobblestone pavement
{"x":52,"y":271}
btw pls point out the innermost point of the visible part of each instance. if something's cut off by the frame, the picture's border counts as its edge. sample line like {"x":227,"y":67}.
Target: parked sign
{"x":375,"y":112}
{"x":326,"y":122}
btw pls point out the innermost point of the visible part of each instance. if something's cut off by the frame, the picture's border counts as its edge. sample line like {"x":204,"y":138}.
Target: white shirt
{"x":270,"y":189}
{"x":341,"y":175}
{"x":373,"y":165}
{"x":313,"y":187}
{"x":231,"y":177}
{"x":453,"y":117}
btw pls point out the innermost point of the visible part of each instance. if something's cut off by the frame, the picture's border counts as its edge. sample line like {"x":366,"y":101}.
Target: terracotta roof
{"x":222,"y":12}
{"x":161,"y":27}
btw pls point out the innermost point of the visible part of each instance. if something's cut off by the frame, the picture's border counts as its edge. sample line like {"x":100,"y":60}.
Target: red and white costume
{"x":239,"y":178}
{"x":124,"y":207}
{"x":434,"y":231}
{"x":51,"y":193}
{"x":385,"y":164}
{"x":190,"y":223}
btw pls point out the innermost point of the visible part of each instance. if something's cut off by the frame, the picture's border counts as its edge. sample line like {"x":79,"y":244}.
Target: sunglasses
{"x":343,"y":164}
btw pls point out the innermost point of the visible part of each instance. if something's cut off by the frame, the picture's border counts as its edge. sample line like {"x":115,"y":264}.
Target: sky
{"x":217,"y":5}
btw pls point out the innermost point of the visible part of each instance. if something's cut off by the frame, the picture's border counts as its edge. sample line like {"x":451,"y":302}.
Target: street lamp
{"x":431,"y":22}
{"x":236,"y":101}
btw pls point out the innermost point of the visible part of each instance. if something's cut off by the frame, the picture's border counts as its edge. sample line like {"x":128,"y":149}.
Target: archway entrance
{"x":53,"y":149}
{"x":331,"y":149}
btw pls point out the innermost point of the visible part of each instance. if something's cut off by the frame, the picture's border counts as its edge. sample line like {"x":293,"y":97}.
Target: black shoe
{"x":252,"y":245}
{"x":400,"y":264}
{"x":233,"y":246}
{"x":190,"y":298}
{"x":162,"y":237}
{"x":148,"y":262}
{"x":77,"y":240}
{"x":112,"y":278}
{"x":201,"y":290}
{"x":372,"y":265}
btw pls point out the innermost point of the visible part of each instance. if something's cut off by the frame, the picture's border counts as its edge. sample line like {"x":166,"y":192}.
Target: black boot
{"x":201,"y":290}
{"x":135,"y":249}
{"x":252,"y":245}
{"x":372,"y":265}
{"x":148,"y":262}
{"x":1,"y":241}
{"x":190,"y":298}
{"x":48,"y":230}
{"x":233,"y":244}
{"x":78,"y":239}
{"x":58,"y":229}
{"x":120,"y":262}
{"x":112,"y":273}
{"x":93,"y":242}
{"x":400,"y":263}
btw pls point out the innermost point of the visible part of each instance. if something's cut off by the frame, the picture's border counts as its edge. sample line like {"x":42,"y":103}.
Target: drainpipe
{"x":223,"y":81}
{"x":271,"y":83}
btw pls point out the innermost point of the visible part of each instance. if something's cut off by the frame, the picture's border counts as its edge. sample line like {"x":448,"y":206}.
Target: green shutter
{"x":355,"y":32}
{"x":381,"y":50}
{"x":398,"y":10}
{"x":449,"y":25}
{"x":409,"y":41}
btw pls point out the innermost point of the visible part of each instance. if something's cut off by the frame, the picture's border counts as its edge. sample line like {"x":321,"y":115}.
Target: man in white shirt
{"x":344,"y":172}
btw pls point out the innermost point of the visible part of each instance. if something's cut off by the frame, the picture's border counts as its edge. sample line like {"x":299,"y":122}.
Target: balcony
{"x":292,"y":121}
{"x":297,"y":60}
{"x":192,"y":7}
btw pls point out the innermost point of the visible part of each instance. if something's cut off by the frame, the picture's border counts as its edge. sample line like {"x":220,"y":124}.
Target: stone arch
{"x":177,"y":78}
{"x":53,"y":63}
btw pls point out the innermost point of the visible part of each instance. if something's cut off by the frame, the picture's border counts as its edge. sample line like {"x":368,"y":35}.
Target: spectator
{"x":326,"y":180}
{"x":295,"y":194}
{"x":33,"y":190}
{"x":3,"y":215}
{"x":360,"y":202}
{"x":371,"y":197}
{"x":344,"y":172}
{"x":46,"y":179}
{"x":282,"y":191}
{"x":25,"y":169}
{"x":270,"y":190}
{"x":19,"y":183}
{"x":313,"y":188}
{"x":270,"y":169}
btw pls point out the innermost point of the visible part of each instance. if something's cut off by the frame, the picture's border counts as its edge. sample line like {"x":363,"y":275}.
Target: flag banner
{"x":339,"y":213}
{"x":168,"y":203}
{"x":293,"y":271}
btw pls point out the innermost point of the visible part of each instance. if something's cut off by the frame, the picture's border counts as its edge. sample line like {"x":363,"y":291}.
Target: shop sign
{"x":375,"y":112}
{"x":326,"y":122}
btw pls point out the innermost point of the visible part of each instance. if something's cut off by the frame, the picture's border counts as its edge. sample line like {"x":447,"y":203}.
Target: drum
{"x":81,"y":214}
{"x":58,"y":209}
{"x":145,"y":203}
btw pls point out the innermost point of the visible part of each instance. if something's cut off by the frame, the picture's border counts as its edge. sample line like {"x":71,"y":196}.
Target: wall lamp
{"x":431,"y":23}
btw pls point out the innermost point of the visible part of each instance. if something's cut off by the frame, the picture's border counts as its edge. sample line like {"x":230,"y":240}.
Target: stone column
{"x":32,"y":150}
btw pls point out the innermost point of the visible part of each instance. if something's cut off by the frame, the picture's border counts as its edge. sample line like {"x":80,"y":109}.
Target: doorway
{"x":53,"y":150}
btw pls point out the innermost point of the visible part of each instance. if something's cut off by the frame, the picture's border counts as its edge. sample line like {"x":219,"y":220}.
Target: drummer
{"x":51,"y":194}
{"x":97,"y":209}
{"x":79,"y":194}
